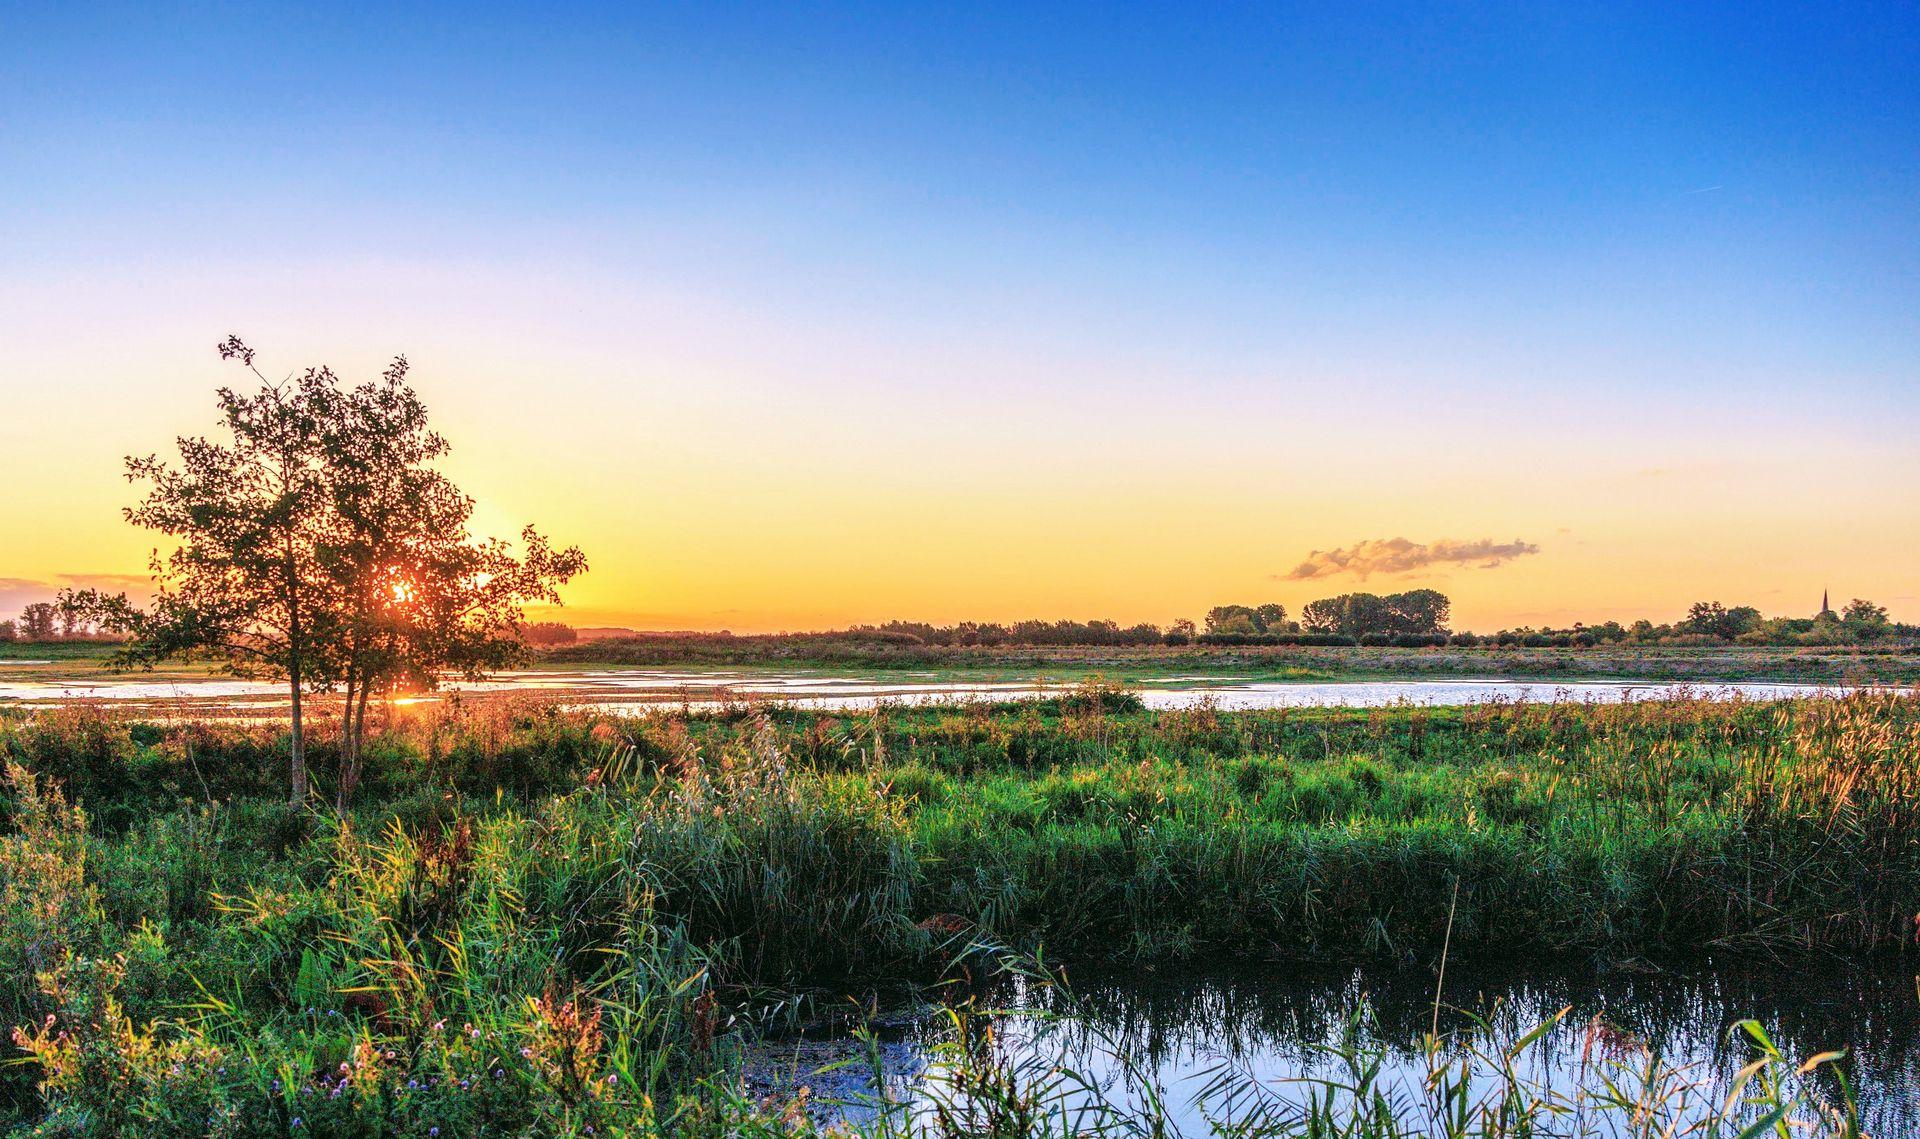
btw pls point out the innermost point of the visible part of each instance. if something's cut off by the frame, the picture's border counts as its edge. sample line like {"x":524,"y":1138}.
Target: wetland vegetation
{"x":530,"y":921}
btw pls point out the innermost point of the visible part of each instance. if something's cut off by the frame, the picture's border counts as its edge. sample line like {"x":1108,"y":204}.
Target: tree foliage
{"x":1419,"y":612}
{"x":1245,"y":620}
{"x":316,"y":543}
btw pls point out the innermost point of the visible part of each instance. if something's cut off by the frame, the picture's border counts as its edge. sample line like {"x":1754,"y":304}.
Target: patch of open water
{"x":1273,"y":1025}
{"x":643,"y":690}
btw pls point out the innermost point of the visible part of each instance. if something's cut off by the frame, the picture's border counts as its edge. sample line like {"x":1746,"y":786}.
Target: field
{"x":536,"y":922}
{"x":1890,"y":663}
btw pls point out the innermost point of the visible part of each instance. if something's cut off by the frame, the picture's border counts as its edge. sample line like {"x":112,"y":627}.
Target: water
{"x":640,"y":690}
{"x":1268,"y":1024}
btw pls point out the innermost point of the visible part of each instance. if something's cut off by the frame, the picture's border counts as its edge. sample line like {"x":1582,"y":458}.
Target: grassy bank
{"x":538,"y":922}
{"x":1889,"y":663}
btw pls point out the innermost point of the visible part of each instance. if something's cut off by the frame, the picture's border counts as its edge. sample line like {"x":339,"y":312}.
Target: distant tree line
{"x":44,"y":622}
{"x":1042,"y":633}
{"x":1415,"y":619}
{"x":1713,"y":622}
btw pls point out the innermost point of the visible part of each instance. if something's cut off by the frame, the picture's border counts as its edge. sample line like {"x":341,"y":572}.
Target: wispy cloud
{"x":1397,"y":555}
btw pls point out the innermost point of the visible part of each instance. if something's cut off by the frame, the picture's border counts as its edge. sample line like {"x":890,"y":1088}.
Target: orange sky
{"x":722,"y":485}
{"x":795,"y":318}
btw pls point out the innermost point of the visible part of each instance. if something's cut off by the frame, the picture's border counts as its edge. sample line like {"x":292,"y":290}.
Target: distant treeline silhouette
{"x":1414,"y":619}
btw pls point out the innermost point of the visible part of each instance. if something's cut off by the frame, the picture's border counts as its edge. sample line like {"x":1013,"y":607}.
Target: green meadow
{"x":546,"y":923}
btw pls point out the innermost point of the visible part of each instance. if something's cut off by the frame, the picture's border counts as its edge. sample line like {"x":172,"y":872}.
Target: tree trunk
{"x":349,"y":748}
{"x":298,"y":751}
{"x":358,"y":715}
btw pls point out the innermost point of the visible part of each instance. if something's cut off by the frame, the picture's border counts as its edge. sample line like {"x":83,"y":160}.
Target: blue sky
{"x":1683,"y":237}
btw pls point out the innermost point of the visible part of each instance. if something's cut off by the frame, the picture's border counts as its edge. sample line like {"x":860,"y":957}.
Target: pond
{"x":641,"y":690}
{"x":1271,"y":1026}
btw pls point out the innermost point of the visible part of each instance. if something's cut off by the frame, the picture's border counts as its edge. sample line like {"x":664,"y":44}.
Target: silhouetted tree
{"x":1420,"y":612}
{"x":37,"y":621}
{"x":1865,"y":620}
{"x":1247,"y":620}
{"x":317,"y":545}
{"x":543,"y":634}
{"x":1713,"y":619}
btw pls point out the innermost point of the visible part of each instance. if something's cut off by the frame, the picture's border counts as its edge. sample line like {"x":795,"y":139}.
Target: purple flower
{"x":298,"y":1122}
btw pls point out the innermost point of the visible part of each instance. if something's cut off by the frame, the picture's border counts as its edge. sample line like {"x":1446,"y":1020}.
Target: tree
{"x":1420,"y":612}
{"x":543,"y":634}
{"x":9,"y":632}
{"x":37,"y":621}
{"x":1865,"y":620}
{"x":317,"y":545}
{"x":245,"y":582}
{"x":1247,"y":620}
{"x":1710,"y":618}
{"x":1240,"y":619}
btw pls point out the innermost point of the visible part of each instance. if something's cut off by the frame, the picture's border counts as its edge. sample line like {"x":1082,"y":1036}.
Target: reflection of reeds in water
{"x":1063,"y":1068}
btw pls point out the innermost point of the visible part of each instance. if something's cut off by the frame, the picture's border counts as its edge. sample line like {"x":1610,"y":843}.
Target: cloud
{"x":1397,"y":555}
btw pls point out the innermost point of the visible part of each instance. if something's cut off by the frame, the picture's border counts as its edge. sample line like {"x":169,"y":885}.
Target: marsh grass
{"x":540,"y":922}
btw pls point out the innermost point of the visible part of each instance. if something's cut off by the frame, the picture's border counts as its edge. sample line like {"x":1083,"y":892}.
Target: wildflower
{"x":298,"y":1122}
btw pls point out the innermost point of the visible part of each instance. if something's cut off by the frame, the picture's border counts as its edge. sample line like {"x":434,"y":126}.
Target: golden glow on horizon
{"x":714,"y":491}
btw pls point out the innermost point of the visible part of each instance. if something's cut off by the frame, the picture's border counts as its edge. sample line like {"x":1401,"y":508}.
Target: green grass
{"x":534,"y":902}
{"x":1888,"y":662}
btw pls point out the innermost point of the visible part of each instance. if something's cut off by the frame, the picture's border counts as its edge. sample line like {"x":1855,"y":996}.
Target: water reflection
{"x":639,"y":691}
{"x":1271,"y":1024}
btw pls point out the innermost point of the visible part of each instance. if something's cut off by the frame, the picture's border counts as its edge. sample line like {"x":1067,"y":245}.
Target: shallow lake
{"x":640,"y":690}
{"x":1271,"y":1023}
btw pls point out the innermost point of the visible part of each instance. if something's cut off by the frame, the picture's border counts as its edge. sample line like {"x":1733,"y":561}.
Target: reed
{"x":539,"y":922}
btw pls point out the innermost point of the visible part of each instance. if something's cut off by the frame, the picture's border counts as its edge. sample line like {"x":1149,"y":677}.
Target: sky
{"x":798,"y":316}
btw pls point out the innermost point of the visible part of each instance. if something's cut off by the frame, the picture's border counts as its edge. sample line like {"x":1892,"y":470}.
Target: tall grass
{"x":539,"y":923}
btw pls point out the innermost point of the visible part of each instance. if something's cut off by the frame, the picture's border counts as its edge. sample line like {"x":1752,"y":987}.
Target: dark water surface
{"x":1270,"y":1024}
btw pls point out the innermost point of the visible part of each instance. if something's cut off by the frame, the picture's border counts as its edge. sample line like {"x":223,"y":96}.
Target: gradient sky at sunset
{"x":800,"y":317}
